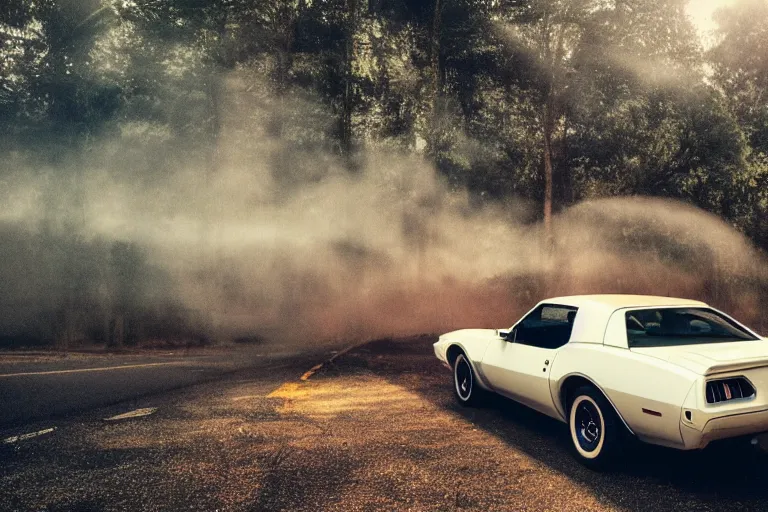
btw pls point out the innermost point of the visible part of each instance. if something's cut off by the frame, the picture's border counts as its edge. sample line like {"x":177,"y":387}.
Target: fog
{"x":275,"y":240}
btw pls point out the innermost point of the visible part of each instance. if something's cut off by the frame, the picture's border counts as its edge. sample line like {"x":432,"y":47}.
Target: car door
{"x":519,"y":366}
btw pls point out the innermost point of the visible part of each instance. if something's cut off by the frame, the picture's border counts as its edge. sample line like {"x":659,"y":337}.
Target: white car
{"x":671,"y":372}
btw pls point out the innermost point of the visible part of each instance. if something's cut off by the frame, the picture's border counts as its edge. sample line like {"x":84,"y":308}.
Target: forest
{"x":526,"y":110}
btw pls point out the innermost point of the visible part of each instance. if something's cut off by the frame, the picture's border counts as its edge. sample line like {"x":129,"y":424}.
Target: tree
{"x":740,"y":64}
{"x":596,"y":53}
{"x":549,"y":31}
{"x":740,"y":72}
{"x":48,"y":83}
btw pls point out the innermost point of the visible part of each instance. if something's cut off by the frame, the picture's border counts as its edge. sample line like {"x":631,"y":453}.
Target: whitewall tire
{"x":465,"y":386}
{"x":594,"y":427}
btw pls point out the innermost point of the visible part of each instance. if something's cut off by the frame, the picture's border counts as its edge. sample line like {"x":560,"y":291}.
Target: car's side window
{"x":548,"y":326}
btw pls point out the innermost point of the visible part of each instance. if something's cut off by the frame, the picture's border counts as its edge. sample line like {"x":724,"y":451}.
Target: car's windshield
{"x":681,"y":326}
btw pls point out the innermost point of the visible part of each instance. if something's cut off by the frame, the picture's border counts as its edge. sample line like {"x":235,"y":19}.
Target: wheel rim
{"x":463,"y":378}
{"x":587,"y":427}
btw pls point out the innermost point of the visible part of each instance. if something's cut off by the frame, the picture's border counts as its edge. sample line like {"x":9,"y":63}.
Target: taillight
{"x":728,"y":389}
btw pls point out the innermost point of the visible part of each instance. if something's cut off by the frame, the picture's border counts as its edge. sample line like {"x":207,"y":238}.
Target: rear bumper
{"x":725,"y":427}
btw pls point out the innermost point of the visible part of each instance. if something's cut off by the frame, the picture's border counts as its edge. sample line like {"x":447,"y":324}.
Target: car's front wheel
{"x":595,"y":428}
{"x":464,"y":382}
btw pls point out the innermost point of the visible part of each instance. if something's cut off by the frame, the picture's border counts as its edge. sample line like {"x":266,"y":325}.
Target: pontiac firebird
{"x":671,"y":372}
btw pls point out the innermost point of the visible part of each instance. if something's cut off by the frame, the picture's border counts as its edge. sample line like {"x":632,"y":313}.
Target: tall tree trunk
{"x":553,"y":55}
{"x":210,"y":237}
{"x":117,"y":330}
{"x":214,"y":112}
{"x":289,"y":27}
{"x":565,"y":171}
{"x":65,"y":333}
{"x":548,"y":129}
{"x":434,"y":64}
{"x":349,"y":54}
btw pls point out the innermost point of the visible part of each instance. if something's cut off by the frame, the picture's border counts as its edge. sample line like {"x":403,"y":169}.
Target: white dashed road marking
{"x":137,"y":413}
{"x":81,"y":370}
{"x":24,"y":437}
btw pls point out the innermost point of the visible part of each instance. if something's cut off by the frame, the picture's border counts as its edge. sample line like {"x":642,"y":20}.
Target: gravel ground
{"x":378,"y":429}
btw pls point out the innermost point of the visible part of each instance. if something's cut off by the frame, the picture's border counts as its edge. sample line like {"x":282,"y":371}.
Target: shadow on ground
{"x":722,"y":477}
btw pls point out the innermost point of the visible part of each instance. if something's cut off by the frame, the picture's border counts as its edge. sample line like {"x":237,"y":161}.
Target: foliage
{"x":552,"y":101}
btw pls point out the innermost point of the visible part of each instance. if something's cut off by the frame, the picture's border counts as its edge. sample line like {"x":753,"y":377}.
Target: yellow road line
{"x":311,"y":371}
{"x":80,"y":370}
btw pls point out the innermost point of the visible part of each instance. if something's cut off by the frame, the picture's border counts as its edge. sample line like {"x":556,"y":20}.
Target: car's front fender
{"x":473,"y":343}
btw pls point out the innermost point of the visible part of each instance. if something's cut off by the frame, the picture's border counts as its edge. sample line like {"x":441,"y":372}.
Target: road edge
{"x":309,"y":373}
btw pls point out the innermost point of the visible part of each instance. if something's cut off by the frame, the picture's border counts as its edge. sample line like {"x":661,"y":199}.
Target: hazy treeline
{"x":183,"y":168}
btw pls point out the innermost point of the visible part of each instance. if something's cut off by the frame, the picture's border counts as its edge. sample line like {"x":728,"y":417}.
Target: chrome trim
{"x":732,"y":400}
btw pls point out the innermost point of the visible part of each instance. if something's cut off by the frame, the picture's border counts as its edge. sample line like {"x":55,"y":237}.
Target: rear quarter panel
{"x":632,"y":382}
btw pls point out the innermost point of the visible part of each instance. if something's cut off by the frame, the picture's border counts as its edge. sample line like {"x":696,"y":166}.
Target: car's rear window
{"x":665,"y":327}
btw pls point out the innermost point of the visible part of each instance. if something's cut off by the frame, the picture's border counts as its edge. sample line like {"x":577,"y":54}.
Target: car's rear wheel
{"x":595,"y":428}
{"x":464,"y":382}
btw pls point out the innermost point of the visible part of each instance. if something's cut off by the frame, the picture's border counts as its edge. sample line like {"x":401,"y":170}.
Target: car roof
{"x":618,"y":301}
{"x":596,"y":310}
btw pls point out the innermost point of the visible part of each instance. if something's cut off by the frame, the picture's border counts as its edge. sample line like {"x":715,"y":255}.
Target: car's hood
{"x":710,"y":358}
{"x":465,"y":334}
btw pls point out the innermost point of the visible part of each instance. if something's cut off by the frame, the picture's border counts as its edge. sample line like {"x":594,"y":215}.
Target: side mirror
{"x":508,"y":335}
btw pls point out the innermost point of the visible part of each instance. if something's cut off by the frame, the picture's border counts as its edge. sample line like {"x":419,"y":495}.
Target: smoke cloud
{"x":274,"y":238}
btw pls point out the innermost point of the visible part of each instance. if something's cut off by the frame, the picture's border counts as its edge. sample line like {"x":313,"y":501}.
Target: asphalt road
{"x":45,"y":387}
{"x":377,"y":429}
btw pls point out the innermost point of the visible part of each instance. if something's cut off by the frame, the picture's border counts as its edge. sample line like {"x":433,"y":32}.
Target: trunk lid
{"x":713,"y":358}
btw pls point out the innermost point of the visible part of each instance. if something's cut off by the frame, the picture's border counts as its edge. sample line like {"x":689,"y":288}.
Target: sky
{"x":701,"y":12}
